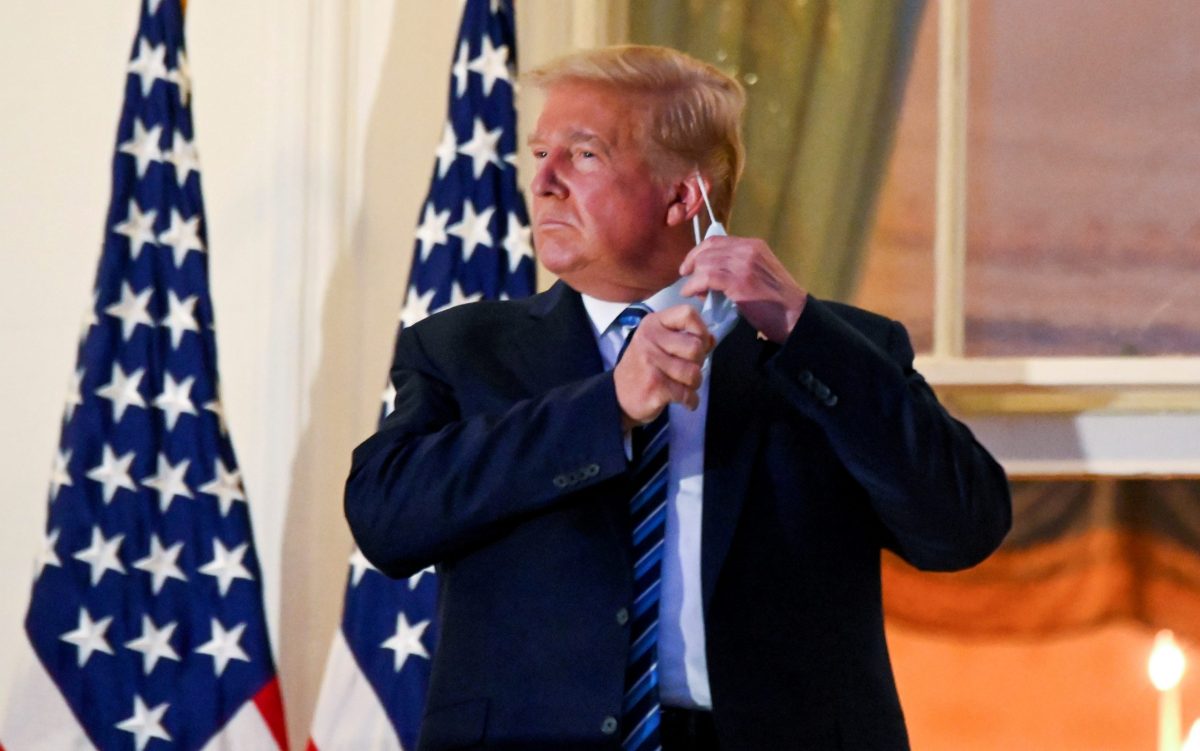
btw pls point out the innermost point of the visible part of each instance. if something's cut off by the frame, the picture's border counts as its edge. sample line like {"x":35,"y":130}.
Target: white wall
{"x":316,"y":124}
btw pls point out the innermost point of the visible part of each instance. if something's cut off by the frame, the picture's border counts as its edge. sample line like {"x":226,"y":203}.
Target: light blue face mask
{"x":719,"y":312}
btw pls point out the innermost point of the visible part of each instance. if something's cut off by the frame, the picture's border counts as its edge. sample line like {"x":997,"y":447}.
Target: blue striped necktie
{"x":648,"y":516}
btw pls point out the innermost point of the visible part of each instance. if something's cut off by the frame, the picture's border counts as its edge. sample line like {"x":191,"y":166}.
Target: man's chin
{"x":557,"y":260}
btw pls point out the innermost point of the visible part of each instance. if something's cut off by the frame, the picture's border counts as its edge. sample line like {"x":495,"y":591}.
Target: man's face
{"x":599,"y":211}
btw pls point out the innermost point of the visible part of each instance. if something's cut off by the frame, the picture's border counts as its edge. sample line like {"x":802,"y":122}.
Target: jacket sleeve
{"x":432,"y":482}
{"x":942,"y":498}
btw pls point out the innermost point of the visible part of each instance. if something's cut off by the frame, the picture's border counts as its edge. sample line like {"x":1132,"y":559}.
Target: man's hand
{"x":662,"y":365}
{"x":748,"y":273}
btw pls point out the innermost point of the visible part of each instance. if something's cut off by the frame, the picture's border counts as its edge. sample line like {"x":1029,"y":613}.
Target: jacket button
{"x":822,"y":391}
{"x":831,"y":401}
{"x":593,"y":470}
{"x":609,"y":726}
{"x":622,"y":616}
{"x":806,"y":377}
{"x":561,"y":481}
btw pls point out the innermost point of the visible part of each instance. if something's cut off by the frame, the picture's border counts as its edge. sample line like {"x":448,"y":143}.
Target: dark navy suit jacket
{"x":503,"y":463}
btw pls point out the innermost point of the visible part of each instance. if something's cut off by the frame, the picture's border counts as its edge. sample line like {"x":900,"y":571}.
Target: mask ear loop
{"x":704,"y":193}
{"x":712,"y":218}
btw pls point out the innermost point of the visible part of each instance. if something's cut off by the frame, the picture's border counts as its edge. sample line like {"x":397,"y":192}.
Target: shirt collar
{"x":602,"y":313}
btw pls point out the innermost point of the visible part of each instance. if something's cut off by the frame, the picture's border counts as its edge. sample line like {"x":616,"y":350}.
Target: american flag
{"x":472,"y":243}
{"x":146,"y":616}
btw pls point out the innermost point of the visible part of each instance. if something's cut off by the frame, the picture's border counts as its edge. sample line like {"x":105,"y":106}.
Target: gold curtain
{"x":824,"y":80}
{"x":1081,"y":554}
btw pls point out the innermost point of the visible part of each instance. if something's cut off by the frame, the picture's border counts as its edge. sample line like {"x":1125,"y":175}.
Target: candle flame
{"x":1167,"y":662}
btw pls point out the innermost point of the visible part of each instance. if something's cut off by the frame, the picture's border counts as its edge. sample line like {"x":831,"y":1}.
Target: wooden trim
{"x":950,"y":224}
{"x":1113,"y":372}
{"x":1067,"y":400}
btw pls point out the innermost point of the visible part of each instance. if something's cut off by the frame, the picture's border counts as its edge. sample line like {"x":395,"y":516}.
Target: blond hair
{"x":696,"y":111}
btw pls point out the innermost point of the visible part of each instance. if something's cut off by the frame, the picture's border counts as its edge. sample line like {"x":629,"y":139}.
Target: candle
{"x":1193,"y":740}
{"x":1166,"y":670}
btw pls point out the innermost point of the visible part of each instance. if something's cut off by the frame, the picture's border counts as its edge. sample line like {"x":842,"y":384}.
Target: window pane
{"x":1084,"y":178}
{"x":897,"y":274}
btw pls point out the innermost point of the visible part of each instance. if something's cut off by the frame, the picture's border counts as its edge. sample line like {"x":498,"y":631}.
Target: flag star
{"x":214,"y":406}
{"x":223,"y":646}
{"x":101,"y":555}
{"x":226,"y":565}
{"x":492,"y":64}
{"x":517,"y":242}
{"x":226,"y":485}
{"x":153,"y":5}
{"x":169,"y":482}
{"x":415,"y":579}
{"x":406,"y":642}
{"x":131,"y":309}
{"x":482,"y":148}
{"x":459,"y":70}
{"x":143,"y":147}
{"x":181,"y":316}
{"x":473,"y":229}
{"x":416,"y":305}
{"x":88,"y":637}
{"x":122,"y":391}
{"x":511,"y":159}
{"x":59,"y":472}
{"x":359,"y":566}
{"x":89,"y":317}
{"x":447,"y":150}
{"x":47,"y":555}
{"x":113,"y":472}
{"x":494,"y":7}
{"x":181,"y":76}
{"x":138,"y":227}
{"x":150,"y":64}
{"x":175,"y":399}
{"x":161,"y":564}
{"x":74,"y":394}
{"x":183,"y":156}
{"x":432,"y":231}
{"x":182,"y":236}
{"x":389,"y":399}
{"x":145,"y":723}
{"x":458,"y":297}
{"x":154,"y":643}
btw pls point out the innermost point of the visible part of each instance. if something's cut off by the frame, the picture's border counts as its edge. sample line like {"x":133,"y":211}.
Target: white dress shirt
{"x":682,"y":666}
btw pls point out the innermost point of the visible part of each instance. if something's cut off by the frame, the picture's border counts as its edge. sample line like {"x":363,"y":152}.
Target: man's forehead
{"x":580,"y":111}
{"x":576,"y":135}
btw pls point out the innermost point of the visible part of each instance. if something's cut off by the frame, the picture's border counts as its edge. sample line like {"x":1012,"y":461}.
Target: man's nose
{"x":547,"y":181}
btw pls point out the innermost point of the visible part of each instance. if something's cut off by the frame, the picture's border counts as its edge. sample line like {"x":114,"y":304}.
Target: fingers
{"x":703,"y":280}
{"x":683,"y":319}
{"x":689,"y":262}
{"x":663,"y":364}
{"x":748,"y":273}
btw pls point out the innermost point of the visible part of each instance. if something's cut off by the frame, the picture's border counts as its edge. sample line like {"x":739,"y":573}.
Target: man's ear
{"x":686,"y":200}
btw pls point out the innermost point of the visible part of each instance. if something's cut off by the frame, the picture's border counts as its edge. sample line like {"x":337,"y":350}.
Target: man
{"x":732,"y":602}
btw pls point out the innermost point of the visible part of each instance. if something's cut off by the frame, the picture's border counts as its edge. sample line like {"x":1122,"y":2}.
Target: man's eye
{"x":539,"y":153}
{"x":587,"y":154}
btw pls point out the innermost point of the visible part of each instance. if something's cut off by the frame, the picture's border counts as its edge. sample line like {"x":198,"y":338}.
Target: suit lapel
{"x":731,"y":443}
{"x":557,"y":345}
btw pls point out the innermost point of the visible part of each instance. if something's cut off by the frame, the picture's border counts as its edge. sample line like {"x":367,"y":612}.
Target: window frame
{"x":1131,"y":416}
